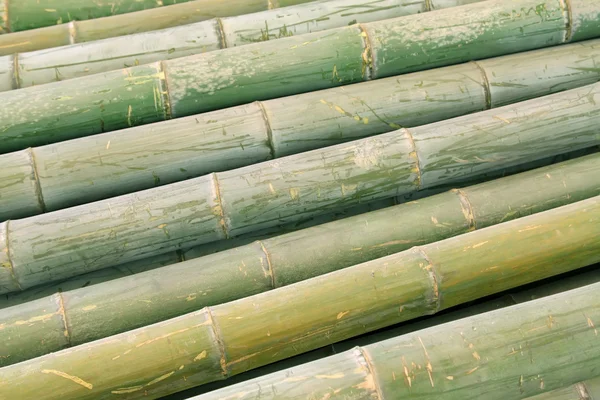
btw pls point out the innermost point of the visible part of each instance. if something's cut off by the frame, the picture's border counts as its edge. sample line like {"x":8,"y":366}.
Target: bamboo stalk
{"x":103,"y":310}
{"x":54,"y":246}
{"x":297,"y":64}
{"x":539,"y":345}
{"x":111,"y":164}
{"x":19,"y":15}
{"x":547,"y":287}
{"x":131,"y":23}
{"x":142,"y":265}
{"x":78,"y":60}
{"x":231,"y":338}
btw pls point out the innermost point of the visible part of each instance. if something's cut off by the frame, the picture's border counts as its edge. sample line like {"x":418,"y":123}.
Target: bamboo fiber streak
{"x":70,"y":242}
{"x":511,"y":353}
{"x":297,"y":64}
{"x":101,"y":166}
{"x":46,"y":66}
{"x":228,"y":339}
{"x":106,"y":309}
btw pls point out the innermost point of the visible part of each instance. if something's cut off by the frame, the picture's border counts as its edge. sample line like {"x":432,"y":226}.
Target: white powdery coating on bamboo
{"x":583,"y":11}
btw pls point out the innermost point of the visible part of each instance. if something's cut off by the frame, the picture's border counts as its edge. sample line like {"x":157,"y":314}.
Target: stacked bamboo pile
{"x":223,"y":189}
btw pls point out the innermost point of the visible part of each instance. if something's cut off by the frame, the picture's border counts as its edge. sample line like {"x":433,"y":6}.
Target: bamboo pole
{"x":54,"y":246}
{"x":142,"y":265}
{"x":103,"y":310}
{"x":90,"y":58}
{"x":547,"y":287}
{"x":131,"y":23}
{"x":297,"y":64}
{"x":231,"y":338}
{"x":111,"y":164}
{"x":20,"y":15}
{"x":538,"y":346}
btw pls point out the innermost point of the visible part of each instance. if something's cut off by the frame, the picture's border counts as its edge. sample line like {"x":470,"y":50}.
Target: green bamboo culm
{"x":547,"y":287}
{"x":231,"y":338}
{"x":78,"y":60}
{"x":65,"y":243}
{"x":79,"y":316}
{"x":297,"y":64}
{"x":88,"y":169}
{"x":538,"y":346}
{"x":20,"y":15}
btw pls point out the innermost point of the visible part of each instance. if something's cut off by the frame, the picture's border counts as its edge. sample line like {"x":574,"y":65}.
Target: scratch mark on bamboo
{"x":364,"y":360}
{"x":10,"y":265}
{"x":269,"y":273}
{"x":342,"y":314}
{"x":407,"y":377}
{"x":591,"y":325}
{"x":200,"y":356}
{"x":415,"y":155}
{"x":295,"y":379}
{"x":137,"y":388}
{"x":36,"y":179}
{"x":339,"y":375}
{"x":467,"y":208}
{"x":220,"y":344}
{"x":469,"y":372}
{"x":219,"y":207}
{"x":499,"y":118}
{"x":428,"y":367}
{"x":63,"y":314}
{"x":73,"y":378}
{"x":268,"y":128}
{"x":487,"y":90}
{"x":166,"y":335}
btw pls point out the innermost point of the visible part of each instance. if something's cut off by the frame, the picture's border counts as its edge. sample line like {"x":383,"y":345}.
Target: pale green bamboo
{"x":230,"y":338}
{"x":54,"y":246}
{"x":101,"y":166}
{"x":35,"y":68}
{"x":298,"y":64}
{"x":96,"y":312}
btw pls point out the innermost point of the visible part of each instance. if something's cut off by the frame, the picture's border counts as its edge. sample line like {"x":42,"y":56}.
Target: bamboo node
{"x":36,"y":178}
{"x":221,"y":33}
{"x":487,"y":90}
{"x":61,"y":311}
{"x":582,"y":391}
{"x":428,"y":6}
{"x":368,"y":63}
{"x":5,"y":25}
{"x":268,"y":127}
{"x":434,"y":278}
{"x":220,"y":344}
{"x":9,"y":264}
{"x":414,"y":154}
{"x":219,"y":210}
{"x":72,"y":32}
{"x":163,"y":88}
{"x":565,"y":5}
{"x":467,"y":208}
{"x":15,"y":78}
{"x":270,"y":271}
{"x":370,"y":383}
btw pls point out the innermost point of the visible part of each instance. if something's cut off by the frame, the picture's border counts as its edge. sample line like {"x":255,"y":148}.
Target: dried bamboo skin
{"x":259,"y":329}
{"x":111,"y":164}
{"x":291,"y":65}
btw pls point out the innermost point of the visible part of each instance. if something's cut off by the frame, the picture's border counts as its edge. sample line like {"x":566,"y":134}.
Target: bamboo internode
{"x":188,"y":85}
{"x":231,"y":338}
{"x":102,"y":310}
{"x":101,"y":166}
{"x":35,"y":68}
{"x":98,"y":235}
